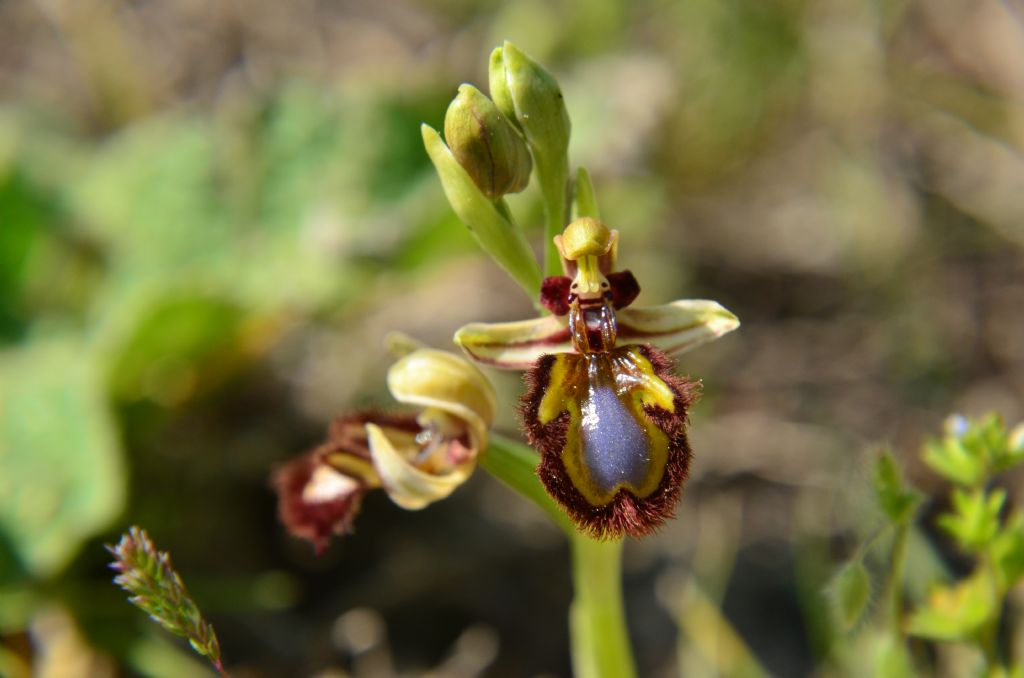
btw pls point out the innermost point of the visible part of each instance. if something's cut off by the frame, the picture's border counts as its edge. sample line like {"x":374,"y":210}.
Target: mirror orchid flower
{"x":603,"y":406}
{"x":417,"y":458}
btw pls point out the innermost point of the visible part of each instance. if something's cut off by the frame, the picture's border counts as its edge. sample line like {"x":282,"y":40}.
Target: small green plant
{"x":157,"y":589}
{"x":982,"y":525}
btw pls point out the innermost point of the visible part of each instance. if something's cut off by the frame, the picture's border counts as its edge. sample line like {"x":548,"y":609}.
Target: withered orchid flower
{"x":417,"y":458}
{"x":602,"y":405}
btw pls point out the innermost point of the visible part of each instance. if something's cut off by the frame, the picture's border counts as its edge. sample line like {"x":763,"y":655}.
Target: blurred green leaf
{"x":989,"y":438}
{"x":23,"y":216}
{"x":974,"y":521}
{"x":952,"y":460}
{"x":63,"y":478}
{"x":1015,"y":671}
{"x":179,"y":346}
{"x":18,"y":604}
{"x":1007,"y":551}
{"x":892,"y":660}
{"x":850,"y":592}
{"x":741,"y":63}
{"x":176,"y":203}
{"x":149,"y":195}
{"x":971,"y":451}
{"x":896,"y":499}
{"x":955,"y":613}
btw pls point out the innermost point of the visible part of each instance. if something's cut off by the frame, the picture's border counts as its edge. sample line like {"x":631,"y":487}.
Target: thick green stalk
{"x":597,"y":623}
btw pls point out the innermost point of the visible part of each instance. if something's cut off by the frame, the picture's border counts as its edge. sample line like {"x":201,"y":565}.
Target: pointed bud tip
{"x":429,"y":134}
{"x":510,"y":52}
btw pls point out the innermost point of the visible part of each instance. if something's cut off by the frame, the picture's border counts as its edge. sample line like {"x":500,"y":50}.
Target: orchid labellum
{"x":603,"y":406}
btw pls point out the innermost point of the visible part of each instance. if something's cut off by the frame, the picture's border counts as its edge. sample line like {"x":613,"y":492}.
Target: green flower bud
{"x":498,"y":84}
{"x":528,"y":95}
{"x":486,"y":144}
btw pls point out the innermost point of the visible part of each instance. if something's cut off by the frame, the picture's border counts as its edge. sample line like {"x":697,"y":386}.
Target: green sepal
{"x":584,"y":202}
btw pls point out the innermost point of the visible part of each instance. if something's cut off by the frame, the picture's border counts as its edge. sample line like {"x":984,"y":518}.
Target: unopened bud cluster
{"x":492,"y":146}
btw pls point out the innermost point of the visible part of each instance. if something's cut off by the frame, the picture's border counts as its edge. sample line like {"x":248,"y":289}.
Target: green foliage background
{"x":212,"y":213}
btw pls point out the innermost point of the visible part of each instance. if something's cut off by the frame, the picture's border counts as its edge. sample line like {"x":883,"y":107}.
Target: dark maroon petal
{"x":347,"y":433}
{"x":624,"y":288}
{"x":345,"y":451}
{"x":315,"y":521}
{"x":554,"y":294}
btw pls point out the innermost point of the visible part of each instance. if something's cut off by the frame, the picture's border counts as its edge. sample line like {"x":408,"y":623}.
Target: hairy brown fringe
{"x":626,"y":513}
{"x":313,"y":521}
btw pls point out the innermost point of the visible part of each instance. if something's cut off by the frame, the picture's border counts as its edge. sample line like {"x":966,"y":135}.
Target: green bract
{"x":492,"y":227}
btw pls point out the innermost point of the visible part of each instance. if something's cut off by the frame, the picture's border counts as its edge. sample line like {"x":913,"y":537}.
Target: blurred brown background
{"x":212,"y":213}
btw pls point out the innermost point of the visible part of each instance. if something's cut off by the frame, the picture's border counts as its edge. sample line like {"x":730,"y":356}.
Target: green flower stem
{"x":705,"y":628}
{"x":597,"y":623}
{"x":895,"y":592}
{"x":553,"y":176}
{"x":988,"y":640}
{"x":600,"y":644}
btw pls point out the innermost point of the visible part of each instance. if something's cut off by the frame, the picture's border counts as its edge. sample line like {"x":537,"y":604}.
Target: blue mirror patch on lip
{"x":616,"y":450}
